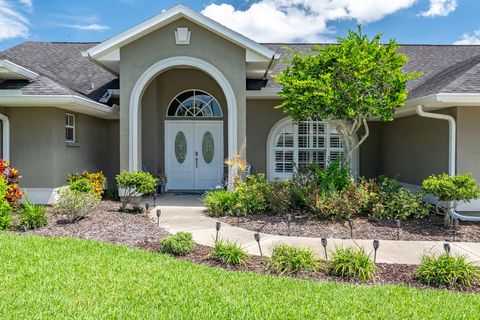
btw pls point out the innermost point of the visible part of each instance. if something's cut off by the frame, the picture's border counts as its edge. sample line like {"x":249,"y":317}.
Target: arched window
{"x":193,"y":104}
{"x":291,"y":147}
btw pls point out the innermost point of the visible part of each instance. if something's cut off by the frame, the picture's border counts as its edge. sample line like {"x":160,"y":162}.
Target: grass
{"x":75,"y":279}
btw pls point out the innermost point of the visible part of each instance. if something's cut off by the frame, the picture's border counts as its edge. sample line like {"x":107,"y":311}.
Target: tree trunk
{"x":348,"y":131}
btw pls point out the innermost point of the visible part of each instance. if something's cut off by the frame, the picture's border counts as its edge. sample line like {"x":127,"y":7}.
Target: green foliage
{"x":457,"y":188}
{"x":97,"y":180}
{"x":352,"y":263}
{"x":75,"y":205}
{"x":82,"y":185}
{"x":179,"y":244}
{"x":347,"y":83}
{"x":5,"y":207}
{"x":229,"y":253}
{"x":135,"y":209}
{"x":136,"y":182}
{"x":117,"y":282}
{"x":341,"y":204}
{"x":333,"y":177}
{"x":111,"y":194}
{"x":32,"y":216}
{"x":447,"y":270}
{"x":390,"y":200}
{"x":286,"y":259}
{"x":253,"y":195}
{"x":220,"y":202}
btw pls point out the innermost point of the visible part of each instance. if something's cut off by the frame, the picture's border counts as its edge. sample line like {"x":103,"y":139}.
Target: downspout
{"x":452,"y":151}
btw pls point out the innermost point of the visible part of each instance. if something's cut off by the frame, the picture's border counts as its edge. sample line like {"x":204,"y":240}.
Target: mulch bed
{"x":106,"y":224}
{"x":398,"y":274}
{"x":428,"y":229}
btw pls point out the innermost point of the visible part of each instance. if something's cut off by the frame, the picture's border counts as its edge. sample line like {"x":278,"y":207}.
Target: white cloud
{"x":470,"y":38}
{"x":13,"y":23}
{"x":88,"y":27}
{"x":299,"y":20}
{"x":440,"y":8}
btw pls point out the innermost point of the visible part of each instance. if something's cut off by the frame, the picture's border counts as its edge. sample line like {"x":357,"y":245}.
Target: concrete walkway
{"x":185,"y":213}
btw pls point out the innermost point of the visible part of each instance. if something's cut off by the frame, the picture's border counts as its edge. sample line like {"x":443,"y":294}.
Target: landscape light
{"x":376,"y":245}
{"x":398,"y":224}
{"x":154,"y":198}
{"x":159,"y":213}
{"x":218,"y":225}
{"x":446,"y":247}
{"x":238,"y":218}
{"x":147,"y":205}
{"x":257,"y":238}
{"x":350,"y":225}
{"x":289,"y":219}
{"x":456,"y":224}
{"x":324,"y":244}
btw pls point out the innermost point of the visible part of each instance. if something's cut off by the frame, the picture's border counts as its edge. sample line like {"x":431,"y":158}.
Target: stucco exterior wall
{"x":468,"y":140}
{"x":155,"y":103}
{"x":370,"y":161}
{"x":261,"y":117}
{"x":39,"y":151}
{"x":139,"y":55}
{"x":413,"y":148}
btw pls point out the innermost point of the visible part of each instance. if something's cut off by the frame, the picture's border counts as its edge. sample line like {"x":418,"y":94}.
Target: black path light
{"x":289,"y":219}
{"x":446,"y":247}
{"x":238,"y":218}
{"x":159,"y":213}
{"x":324,"y":244}
{"x":350,"y":225}
{"x":147,"y":205}
{"x":456,"y":224}
{"x":376,"y":244}
{"x":218,"y":225}
{"x":398,"y":224}
{"x":257,"y":238}
{"x":154,"y":198}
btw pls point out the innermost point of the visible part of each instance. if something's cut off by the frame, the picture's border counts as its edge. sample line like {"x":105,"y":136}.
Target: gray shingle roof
{"x":63,"y":70}
{"x":445,"y":68}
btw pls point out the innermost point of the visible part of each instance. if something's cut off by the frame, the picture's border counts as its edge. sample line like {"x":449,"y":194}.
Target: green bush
{"x":286,"y":259}
{"x":447,"y":270}
{"x":253,"y":194}
{"x":32,"y":216}
{"x":136,"y":182}
{"x":75,"y":205}
{"x":352,"y":263}
{"x":229,"y":253}
{"x":82,"y":185}
{"x":334,"y":177}
{"x":460,"y":187}
{"x":220,"y":202}
{"x":5,"y":207}
{"x":96,"y":178}
{"x":179,"y":244}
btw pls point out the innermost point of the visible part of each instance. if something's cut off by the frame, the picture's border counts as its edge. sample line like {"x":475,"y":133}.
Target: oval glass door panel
{"x":180,"y":147}
{"x":208,"y":147}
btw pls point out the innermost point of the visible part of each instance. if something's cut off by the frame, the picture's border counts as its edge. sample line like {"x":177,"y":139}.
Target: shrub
{"x":392,"y":201}
{"x":82,"y":185}
{"x":134,"y":183}
{"x":252,"y":195}
{"x":75,"y":205}
{"x":281,"y":197}
{"x":334,"y":177}
{"x":32,"y":216}
{"x":229,"y":253}
{"x":286,"y":259}
{"x":220,"y":202}
{"x":5,"y":207}
{"x":179,"y":244}
{"x":352,"y":263}
{"x":96,"y":178}
{"x":11,"y":176}
{"x":447,"y":270}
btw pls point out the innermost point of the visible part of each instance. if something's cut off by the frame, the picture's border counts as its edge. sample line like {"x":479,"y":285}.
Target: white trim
{"x":182,"y":36}
{"x":270,"y":93}
{"x":5,"y":137}
{"x":194,"y":90}
{"x":134,"y":129}
{"x":69,"y":102}
{"x":19,"y":70}
{"x":271,"y":144}
{"x":167,"y":17}
{"x":452,"y":136}
{"x":67,"y":126}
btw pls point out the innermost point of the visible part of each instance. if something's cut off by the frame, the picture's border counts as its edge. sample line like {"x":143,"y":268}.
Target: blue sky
{"x":408,"y":21}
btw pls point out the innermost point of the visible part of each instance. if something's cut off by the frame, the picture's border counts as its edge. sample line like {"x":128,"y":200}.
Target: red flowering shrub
{"x":11,"y":177}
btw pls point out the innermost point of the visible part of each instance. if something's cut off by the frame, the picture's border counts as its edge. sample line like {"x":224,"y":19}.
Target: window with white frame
{"x":69,"y":127}
{"x":294,"y":147}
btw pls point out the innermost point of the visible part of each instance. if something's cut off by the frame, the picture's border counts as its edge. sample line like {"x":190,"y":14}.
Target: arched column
{"x":134,"y":129}
{"x":5,"y":137}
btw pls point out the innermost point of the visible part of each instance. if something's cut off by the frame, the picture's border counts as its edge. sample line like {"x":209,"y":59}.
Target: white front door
{"x":193,"y":154}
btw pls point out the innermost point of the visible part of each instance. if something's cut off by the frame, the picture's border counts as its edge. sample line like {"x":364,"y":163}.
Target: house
{"x":179,"y":93}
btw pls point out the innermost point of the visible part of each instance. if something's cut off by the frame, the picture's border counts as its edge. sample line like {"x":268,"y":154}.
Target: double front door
{"x":194,"y":154}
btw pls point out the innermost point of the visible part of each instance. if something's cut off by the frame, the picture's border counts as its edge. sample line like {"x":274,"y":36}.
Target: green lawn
{"x":66,"y":278}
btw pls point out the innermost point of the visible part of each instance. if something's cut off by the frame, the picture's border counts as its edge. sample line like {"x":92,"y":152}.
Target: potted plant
{"x":451,"y":191}
{"x":132,"y":185}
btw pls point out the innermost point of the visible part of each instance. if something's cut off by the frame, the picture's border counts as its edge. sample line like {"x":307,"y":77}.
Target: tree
{"x":346,"y":84}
